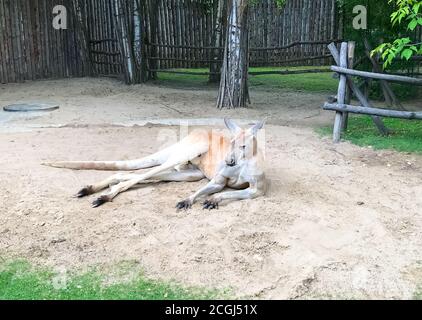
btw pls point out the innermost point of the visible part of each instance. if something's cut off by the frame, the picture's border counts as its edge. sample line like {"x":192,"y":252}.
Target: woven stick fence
{"x":178,"y":34}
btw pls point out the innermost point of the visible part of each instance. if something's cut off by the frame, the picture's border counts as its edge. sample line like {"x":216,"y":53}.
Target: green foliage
{"x":407,"y":136}
{"x":20,"y":281}
{"x":380,"y":29}
{"x":407,"y":11}
{"x":280,"y":3}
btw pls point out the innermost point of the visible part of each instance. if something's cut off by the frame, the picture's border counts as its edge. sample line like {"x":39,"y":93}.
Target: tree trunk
{"x":122,"y":32}
{"x":215,"y":67}
{"x":152,"y":9}
{"x":128,"y":31}
{"x":82,"y":36}
{"x":234,"y":73}
{"x":138,"y":36}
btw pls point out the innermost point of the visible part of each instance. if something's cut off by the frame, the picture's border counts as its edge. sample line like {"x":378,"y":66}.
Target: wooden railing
{"x":347,"y":87}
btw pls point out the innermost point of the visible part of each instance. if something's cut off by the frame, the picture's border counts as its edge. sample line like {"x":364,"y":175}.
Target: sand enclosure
{"x":338,"y":221}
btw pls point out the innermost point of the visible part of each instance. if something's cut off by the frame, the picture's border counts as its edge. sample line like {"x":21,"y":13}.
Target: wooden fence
{"x":30,"y":48}
{"x":184,"y":38}
{"x":299,"y":21}
{"x":104,"y":50}
{"x":180,"y":35}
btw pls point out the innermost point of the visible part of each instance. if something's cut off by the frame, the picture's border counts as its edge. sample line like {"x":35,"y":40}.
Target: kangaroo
{"x":234,"y":162}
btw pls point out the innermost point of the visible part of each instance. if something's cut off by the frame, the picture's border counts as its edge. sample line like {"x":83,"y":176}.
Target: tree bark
{"x":139,"y":35}
{"x":234,"y":73}
{"x":82,"y":36}
{"x":129,"y":34}
{"x":215,"y":67}
{"x":123,"y":37}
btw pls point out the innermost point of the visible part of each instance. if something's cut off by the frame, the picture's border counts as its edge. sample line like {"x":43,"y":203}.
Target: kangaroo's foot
{"x":86,"y":191}
{"x":184,"y":205}
{"x":100,"y":201}
{"x":110,"y":181}
{"x":210,"y":204}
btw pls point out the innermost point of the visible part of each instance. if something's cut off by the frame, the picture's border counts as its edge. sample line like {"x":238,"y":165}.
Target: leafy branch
{"x":405,"y":48}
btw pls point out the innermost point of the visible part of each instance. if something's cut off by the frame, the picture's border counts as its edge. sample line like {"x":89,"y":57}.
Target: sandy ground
{"x":105,"y":101}
{"x":337,"y":222}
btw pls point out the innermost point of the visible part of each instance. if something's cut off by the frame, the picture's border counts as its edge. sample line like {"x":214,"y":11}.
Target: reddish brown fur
{"x":218,"y":147}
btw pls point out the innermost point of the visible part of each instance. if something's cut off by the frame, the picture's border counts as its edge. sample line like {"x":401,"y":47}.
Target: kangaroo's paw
{"x":85,"y":192}
{"x":100,"y":201}
{"x":185,"y":204}
{"x":210,"y":204}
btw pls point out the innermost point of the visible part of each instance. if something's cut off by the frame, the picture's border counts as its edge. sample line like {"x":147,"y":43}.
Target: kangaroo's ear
{"x":233,"y":127}
{"x":257,"y":127}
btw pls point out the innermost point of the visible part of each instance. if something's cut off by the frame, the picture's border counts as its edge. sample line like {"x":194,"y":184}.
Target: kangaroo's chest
{"x":211,"y":161}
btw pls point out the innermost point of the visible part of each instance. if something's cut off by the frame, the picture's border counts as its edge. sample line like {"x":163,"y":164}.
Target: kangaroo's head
{"x":244,"y":143}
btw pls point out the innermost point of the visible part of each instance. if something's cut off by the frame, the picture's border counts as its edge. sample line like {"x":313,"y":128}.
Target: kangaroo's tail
{"x":95,"y":165}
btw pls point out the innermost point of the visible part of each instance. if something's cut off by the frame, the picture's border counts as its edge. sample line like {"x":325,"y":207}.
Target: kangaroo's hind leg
{"x":150,"y":161}
{"x":114,"y":179}
{"x":188,"y":175}
{"x":185,"y":152}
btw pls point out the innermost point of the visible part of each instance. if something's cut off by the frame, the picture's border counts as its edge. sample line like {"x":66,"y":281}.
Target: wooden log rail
{"x":373,"y":111}
{"x":286,"y":72}
{"x":252,"y":73}
{"x":160,"y":45}
{"x":288,"y":46}
{"x":377,"y":76}
{"x":186,"y":60}
{"x":94,"y":42}
{"x":183,"y":72}
{"x":293,"y":44}
{"x":254,"y":62}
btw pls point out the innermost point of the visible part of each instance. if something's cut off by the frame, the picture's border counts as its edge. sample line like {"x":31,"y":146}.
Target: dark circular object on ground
{"x":29,"y":107}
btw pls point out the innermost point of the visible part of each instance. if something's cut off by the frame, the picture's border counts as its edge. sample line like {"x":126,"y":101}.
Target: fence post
{"x":341,"y":95}
{"x":349,"y":92}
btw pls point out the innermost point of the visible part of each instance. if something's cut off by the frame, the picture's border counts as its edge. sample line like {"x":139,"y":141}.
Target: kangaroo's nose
{"x":231,"y":162}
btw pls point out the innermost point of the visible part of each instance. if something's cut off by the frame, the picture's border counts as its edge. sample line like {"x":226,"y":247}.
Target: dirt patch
{"x":338,"y":221}
{"x":93,"y":101}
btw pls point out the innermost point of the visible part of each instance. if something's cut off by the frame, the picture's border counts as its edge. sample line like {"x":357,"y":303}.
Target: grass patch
{"x":406,"y":137}
{"x":185,"y":80}
{"x":21,"y":281}
{"x":307,"y":82}
{"x":418,"y":294}
{"x":311,"y":82}
{"x":404,"y":92}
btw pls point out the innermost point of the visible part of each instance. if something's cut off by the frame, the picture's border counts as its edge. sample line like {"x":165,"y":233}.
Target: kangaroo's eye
{"x":243,"y":147}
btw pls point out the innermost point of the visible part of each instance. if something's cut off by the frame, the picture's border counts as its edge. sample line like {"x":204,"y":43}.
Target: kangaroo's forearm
{"x":250,"y":193}
{"x":209,"y":189}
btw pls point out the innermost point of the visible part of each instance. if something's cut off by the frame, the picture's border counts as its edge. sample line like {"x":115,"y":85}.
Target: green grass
{"x":311,"y":82}
{"x":21,"y":281}
{"x":185,"y":80}
{"x":418,"y":294}
{"x":307,"y":82}
{"x":406,"y":136}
